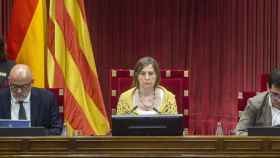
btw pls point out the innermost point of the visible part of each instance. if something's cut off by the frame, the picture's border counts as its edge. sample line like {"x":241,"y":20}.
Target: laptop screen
{"x":20,"y":128}
{"x":22,"y":131}
{"x":264,"y":131}
{"x":14,"y":123}
{"x":147,"y":125}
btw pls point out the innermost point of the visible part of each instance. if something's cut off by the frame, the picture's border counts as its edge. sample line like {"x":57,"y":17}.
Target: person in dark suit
{"x":5,"y":65}
{"x":21,"y":101}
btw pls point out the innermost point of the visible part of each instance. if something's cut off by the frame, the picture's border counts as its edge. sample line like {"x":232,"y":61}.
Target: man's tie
{"x":21,"y":113}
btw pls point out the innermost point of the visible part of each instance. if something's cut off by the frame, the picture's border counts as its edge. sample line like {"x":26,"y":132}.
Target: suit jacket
{"x":256,"y":113}
{"x":43,"y":109}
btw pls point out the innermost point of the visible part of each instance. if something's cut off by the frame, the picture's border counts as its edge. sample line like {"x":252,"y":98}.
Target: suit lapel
{"x":7,"y":105}
{"x":34,"y":105}
{"x":268,"y":115}
{"x":264,"y":116}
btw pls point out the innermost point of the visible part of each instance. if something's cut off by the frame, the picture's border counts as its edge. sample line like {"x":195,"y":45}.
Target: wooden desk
{"x":191,"y":146}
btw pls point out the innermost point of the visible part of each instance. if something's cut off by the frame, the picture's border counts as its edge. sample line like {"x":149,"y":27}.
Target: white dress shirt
{"x":275,"y":113}
{"x":15,"y":107}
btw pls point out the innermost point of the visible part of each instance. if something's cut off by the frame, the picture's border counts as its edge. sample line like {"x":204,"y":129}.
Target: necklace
{"x":147,"y":106}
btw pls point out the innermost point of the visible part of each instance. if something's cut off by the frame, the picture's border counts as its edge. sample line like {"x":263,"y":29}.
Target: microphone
{"x":239,"y":132}
{"x":156,"y":110}
{"x":133,"y":109}
{"x":243,"y":130}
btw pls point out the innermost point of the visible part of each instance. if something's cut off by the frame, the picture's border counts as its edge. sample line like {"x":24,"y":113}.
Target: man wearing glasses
{"x":21,"y":101}
{"x":264,"y":108}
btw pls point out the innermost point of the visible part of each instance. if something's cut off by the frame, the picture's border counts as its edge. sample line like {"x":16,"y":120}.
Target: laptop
{"x":147,"y":125}
{"x":263,"y":131}
{"x":22,"y":131}
{"x":20,"y":128}
{"x":14,"y":123}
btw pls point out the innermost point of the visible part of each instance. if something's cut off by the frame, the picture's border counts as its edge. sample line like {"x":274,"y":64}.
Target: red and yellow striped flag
{"x":26,"y":37}
{"x":71,"y":64}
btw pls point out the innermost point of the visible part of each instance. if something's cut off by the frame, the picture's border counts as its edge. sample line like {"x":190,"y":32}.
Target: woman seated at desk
{"x":147,"y":96}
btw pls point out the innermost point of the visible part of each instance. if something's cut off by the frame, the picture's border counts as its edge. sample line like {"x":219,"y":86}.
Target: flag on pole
{"x":71,"y":65}
{"x":26,"y":37}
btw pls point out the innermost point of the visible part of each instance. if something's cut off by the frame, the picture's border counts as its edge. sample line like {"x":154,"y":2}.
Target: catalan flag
{"x":26,"y":37}
{"x":71,"y":65}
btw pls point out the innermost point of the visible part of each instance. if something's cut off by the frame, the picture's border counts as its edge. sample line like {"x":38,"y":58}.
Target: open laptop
{"x":147,"y":125}
{"x":263,"y":131}
{"x":18,"y":131}
{"x":20,"y":128}
{"x":14,"y":123}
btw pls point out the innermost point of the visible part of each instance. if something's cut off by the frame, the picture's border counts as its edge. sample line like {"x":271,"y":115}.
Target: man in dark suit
{"x":21,"y":101}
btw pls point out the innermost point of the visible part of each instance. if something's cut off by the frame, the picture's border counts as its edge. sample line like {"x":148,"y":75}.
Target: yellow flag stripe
{"x":32,"y":49}
{"x":74,"y":84}
{"x":93,"y":88}
{"x":77,"y":89}
{"x":51,"y":69}
{"x":76,"y":16}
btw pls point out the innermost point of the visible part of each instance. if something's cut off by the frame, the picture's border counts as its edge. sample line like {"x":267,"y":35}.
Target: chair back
{"x":176,"y":81}
{"x":242,"y":100}
{"x":243,"y":96}
{"x":264,"y":82}
{"x":59,"y":94}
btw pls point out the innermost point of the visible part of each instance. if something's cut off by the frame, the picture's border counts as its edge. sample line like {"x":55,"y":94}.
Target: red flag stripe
{"x":70,"y":35}
{"x":51,"y":35}
{"x":75,"y":115}
{"x":72,"y":111}
{"x":17,"y":34}
{"x":82,"y":6}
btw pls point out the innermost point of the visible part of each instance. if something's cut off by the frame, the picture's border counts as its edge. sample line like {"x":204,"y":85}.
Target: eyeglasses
{"x":22,"y":87}
{"x":275,"y":96}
